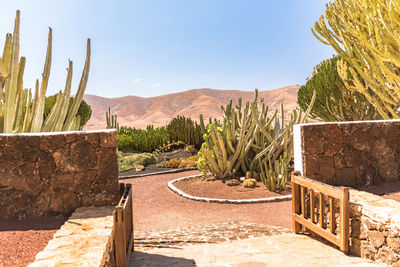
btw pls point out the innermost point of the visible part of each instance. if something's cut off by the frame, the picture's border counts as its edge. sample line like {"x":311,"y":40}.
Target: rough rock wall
{"x":48,"y":174}
{"x":354,"y":154}
{"x":375,"y":228}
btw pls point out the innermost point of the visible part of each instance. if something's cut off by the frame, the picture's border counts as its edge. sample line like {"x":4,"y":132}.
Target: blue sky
{"x":153,"y":47}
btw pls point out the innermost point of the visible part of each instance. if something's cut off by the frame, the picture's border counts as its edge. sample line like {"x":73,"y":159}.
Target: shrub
{"x":124,"y":141}
{"x":334,"y":102}
{"x":174,"y":163}
{"x":189,"y":162}
{"x":129,"y":162}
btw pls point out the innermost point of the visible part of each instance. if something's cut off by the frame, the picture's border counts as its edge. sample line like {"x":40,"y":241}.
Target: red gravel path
{"x":156,"y":207}
{"x":20,"y":241}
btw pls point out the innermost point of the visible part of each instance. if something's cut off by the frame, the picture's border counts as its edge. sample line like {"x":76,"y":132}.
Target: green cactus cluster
{"x":365,"y":33}
{"x":111,"y":120}
{"x":248,"y":139}
{"x":185,"y":130}
{"x":334,"y":102}
{"x":179,"y":131}
{"x":142,"y":140}
{"x":23,"y":111}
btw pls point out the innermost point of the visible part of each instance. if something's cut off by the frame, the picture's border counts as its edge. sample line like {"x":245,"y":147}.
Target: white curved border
{"x":219,"y":200}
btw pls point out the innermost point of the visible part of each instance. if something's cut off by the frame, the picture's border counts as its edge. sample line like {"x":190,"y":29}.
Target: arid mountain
{"x":136,"y":111}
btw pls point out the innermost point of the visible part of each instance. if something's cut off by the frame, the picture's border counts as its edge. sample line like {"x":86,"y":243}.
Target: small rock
{"x":250,"y":183}
{"x":232,"y":182}
{"x":139,"y":168}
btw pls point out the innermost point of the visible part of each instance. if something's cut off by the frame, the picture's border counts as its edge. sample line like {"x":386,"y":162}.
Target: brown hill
{"x":136,"y":111}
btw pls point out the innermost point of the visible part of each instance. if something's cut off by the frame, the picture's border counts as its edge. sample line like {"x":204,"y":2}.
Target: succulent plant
{"x":111,"y":120}
{"x":19,"y":112}
{"x":365,"y":33}
{"x":247,"y":140}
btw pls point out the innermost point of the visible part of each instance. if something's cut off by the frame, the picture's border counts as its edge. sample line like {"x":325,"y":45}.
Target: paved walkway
{"x":285,"y":249}
{"x":174,"y":231}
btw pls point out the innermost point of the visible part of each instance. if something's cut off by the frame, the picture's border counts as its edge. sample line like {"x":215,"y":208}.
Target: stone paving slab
{"x":235,"y":245}
{"x":285,"y":249}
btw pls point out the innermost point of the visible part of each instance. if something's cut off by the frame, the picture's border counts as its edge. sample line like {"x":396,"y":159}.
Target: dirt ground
{"x":201,"y":187}
{"x":21,"y":240}
{"x":156,"y":207}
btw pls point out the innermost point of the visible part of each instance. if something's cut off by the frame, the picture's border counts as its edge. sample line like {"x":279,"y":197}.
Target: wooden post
{"x":295,"y":206}
{"x":120,"y":242}
{"x":344,"y":220}
{"x":321,"y":210}
{"x":312,"y":205}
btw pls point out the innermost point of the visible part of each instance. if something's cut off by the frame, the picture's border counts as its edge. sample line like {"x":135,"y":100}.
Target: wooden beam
{"x":318,"y":186}
{"x":315,"y":228}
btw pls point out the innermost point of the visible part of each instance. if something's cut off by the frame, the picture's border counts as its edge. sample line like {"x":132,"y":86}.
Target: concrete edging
{"x":156,"y":173}
{"x":219,"y":200}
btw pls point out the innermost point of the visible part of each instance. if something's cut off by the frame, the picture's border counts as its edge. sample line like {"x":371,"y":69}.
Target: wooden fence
{"x":123,"y":227}
{"x":312,"y":214}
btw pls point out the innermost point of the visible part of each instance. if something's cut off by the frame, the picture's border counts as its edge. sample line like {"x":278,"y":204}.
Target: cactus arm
{"x":65,"y":101}
{"x":81,"y":89}
{"x":37,"y":120}
{"x":11,"y":82}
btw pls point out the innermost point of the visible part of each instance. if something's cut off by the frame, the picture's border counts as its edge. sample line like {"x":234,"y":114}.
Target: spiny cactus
{"x":365,"y":33}
{"x":334,"y":101}
{"x":19,"y":112}
{"x":111,"y":120}
{"x":247,"y":139}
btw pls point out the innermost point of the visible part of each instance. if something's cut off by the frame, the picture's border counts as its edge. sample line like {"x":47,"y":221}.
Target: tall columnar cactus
{"x":19,"y":112}
{"x":334,"y":101}
{"x":365,"y":33}
{"x":247,"y":139}
{"x":111,"y":120}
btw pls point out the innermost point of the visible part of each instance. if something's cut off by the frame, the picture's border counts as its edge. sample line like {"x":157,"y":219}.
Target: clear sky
{"x":154,"y":47}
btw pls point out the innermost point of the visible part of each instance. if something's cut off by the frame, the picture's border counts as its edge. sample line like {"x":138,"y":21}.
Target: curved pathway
{"x":155,"y":207}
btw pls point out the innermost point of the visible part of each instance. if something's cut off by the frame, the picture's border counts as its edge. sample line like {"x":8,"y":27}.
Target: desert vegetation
{"x":23,"y":111}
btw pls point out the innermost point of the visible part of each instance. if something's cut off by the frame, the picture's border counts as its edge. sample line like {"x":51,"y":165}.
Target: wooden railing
{"x":311,"y":214}
{"x":123,"y":226}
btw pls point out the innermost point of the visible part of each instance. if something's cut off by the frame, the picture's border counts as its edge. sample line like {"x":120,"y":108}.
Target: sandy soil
{"x":201,"y":187}
{"x":21,"y":240}
{"x":156,"y":207}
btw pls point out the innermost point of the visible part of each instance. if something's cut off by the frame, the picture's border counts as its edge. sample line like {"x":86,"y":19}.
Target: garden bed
{"x":21,"y":240}
{"x":213,"y":188}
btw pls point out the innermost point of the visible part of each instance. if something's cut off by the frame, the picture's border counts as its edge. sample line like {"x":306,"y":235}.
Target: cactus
{"x":111,"y":120}
{"x":365,"y":33}
{"x":19,"y":112}
{"x":247,"y":140}
{"x":334,"y":101}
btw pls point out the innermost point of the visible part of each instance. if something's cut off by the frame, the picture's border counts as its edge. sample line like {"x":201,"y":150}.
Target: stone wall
{"x":375,"y":228}
{"x":355,"y":154}
{"x":48,"y":174}
{"x":85,"y":239}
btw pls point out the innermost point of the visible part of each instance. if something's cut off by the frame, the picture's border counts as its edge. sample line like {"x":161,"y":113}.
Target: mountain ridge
{"x":136,"y":111}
